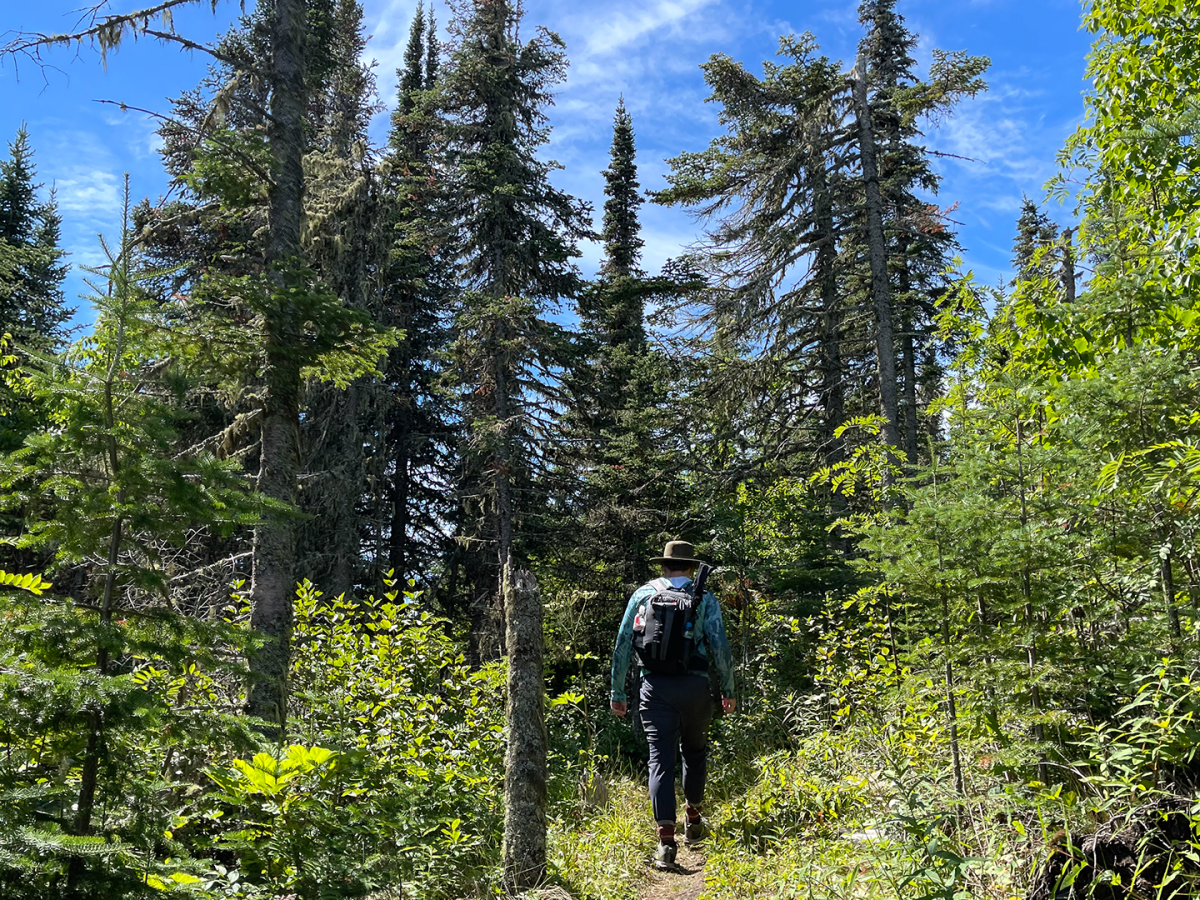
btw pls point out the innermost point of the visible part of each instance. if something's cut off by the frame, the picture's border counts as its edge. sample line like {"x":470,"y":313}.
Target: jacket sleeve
{"x":720,"y":654}
{"x":623,"y":651}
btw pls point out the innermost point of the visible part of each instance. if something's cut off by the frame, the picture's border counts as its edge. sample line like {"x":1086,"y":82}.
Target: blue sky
{"x":648,"y":50}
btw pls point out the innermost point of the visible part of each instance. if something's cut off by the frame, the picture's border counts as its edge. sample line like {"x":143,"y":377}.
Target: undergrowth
{"x":870,"y":810}
{"x":603,"y":854}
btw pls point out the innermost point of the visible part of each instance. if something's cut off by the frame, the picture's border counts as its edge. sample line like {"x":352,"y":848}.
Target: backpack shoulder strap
{"x":661,"y":584}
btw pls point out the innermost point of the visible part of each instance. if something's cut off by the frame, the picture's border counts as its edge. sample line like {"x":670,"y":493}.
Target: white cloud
{"x":388,"y":23}
{"x":1008,"y":146}
{"x":93,"y":195}
{"x":613,"y":32}
{"x":86,"y":173}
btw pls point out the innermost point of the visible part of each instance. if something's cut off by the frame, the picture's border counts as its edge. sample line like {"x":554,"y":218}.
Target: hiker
{"x":674,"y":651}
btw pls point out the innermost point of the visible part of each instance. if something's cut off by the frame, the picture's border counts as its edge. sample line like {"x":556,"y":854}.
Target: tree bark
{"x":502,"y":472}
{"x":833,"y":391}
{"x":908,"y":342}
{"x":1068,"y":269}
{"x":1165,"y":557}
{"x":398,"y":529}
{"x":525,"y":759}
{"x":274,"y":579}
{"x":90,"y":772}
{"x":345,"y":543}
{"x":885,"y":347}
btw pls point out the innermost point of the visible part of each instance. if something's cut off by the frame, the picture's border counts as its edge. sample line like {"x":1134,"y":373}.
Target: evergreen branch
{"x":199,"y":134}
{"x":1185,"y":124}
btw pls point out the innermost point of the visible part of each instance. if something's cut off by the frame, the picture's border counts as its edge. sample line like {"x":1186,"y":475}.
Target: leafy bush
{"x":413,"y":791}
{"x":1153,"y":744}
{"x":393,"y":777}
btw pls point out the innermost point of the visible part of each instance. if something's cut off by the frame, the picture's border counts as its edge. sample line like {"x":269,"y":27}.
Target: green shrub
{"x":413,"y":793}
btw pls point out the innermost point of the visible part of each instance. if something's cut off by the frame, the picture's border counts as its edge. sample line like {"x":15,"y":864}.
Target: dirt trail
{"x":684,"y":883}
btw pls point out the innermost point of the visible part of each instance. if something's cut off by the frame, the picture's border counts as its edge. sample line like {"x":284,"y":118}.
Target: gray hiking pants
{"x":676,"y":711}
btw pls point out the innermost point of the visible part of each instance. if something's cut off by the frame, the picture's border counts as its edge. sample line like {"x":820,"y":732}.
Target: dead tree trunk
{"x":525,"y":759}
{"x":1068,"y":267}
{"x":885,"y":347}
{"x":273,"y":582}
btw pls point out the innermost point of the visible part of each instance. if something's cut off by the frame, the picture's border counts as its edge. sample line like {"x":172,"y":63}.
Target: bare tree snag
{"x":525,"y":759}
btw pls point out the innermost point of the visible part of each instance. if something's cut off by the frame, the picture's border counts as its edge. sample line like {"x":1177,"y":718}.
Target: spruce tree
{"x":31,"y":268}
{"x":280,"y":299}
{"x":1032,"y":247}
{"x":346,"y":244}
{"x":620,"y":482}
{"x":917,"y":244}
{"x":32,"y":312}
{"x":612,"y":314}
{"x":413,"y":454}
{"x":518,"y":239}
{"x":107,"y":498}
{"x":777,"y":198}
{"x":621,"y":232}
{"x":818,"y":238}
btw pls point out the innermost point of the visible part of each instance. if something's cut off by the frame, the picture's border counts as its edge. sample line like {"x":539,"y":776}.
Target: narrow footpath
{"x":684,"y":883}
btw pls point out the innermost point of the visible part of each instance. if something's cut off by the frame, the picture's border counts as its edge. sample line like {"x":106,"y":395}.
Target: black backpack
{"x":663,"y":630}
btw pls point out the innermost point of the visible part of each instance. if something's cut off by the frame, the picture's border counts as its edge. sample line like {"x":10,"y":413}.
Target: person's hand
{"x":728,"y":704}
{"x":620,"y":707}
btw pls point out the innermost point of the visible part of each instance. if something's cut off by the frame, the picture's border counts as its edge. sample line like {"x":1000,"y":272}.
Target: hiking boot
{"x":664,"y":856}
{"x":694,"y":831}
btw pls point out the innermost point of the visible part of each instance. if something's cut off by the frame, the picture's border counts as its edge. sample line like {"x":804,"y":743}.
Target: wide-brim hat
{"x":678,"y":552}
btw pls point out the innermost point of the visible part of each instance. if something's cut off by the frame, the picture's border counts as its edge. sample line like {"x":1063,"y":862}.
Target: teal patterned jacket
{"x":711,"y":640}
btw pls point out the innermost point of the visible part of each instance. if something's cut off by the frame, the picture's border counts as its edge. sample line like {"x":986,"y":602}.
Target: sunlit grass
{"x":602,"y":855}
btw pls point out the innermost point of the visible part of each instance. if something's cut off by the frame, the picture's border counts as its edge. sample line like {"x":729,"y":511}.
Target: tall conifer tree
{"x":413,"y":455}
{"x":617,"y":424}
{"x":917,"y":242}
{"x":32,"y":310}
{"x":31,"y":267}
{"x":346,"y":244}
{"x":777,"y":192}
{"x":815,"y":229}
{"x":518,"y":238}
{"x":1033,"y":245}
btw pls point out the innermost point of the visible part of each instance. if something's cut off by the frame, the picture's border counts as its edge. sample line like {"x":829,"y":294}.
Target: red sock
{"x":666,"y":833}
{"x":693,"y":813}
